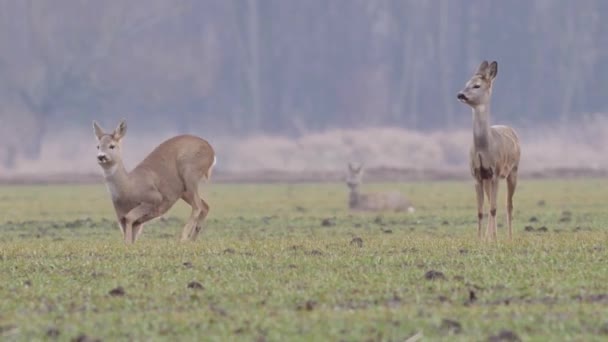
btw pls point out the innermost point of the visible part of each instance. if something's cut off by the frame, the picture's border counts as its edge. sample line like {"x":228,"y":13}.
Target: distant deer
{"x":385,"y":201}
{"x":495,"y":152}
{"x":173,"y":170}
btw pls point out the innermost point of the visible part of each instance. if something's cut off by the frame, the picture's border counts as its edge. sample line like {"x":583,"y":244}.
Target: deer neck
{"x":117,"y":180}
{"x":481,"y":127}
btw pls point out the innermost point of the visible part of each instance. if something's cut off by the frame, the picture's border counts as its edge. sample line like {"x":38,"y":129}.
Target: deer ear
{"x":360,"y":168}
{"x":98,"y":130}
{"x":482,"y":68}
{"x":492,"y":70}
{"x":120,"y":131}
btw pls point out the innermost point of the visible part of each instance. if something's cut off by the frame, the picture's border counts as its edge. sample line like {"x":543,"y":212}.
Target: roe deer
{"x":384,"y":201}
{"x":173,"y":170}
{"x":495,"y":152}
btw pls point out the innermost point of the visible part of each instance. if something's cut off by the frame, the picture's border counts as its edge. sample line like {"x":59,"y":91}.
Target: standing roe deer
{"x":495,"y":152}
{"x":173,"y":170}
{"x":385,"y":201}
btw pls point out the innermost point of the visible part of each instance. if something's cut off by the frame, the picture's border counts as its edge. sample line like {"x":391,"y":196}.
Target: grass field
{"x":289,"y":262}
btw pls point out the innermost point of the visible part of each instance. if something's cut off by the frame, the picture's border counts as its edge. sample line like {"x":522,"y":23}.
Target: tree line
{"x":288,"y":67}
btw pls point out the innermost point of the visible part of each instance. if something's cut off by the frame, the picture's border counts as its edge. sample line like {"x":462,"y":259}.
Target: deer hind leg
{"x":189,"y":198}
{"x":193,"y":231}
{"x":201,"y":221}
{"x":192,"y":197}
{"x":138,"y":228}
{"x":479,"y":192}
{"x":511,"y":185}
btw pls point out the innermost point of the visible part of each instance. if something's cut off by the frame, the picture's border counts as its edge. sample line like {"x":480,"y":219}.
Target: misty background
{"x":300,"y":85}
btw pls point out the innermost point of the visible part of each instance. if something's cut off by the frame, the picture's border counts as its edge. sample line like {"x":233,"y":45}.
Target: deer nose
{"x":101,"y":157}
{"x":461,"y":97}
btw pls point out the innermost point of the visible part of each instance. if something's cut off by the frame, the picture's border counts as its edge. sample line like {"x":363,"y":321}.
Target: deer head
{"x":353,"y":178}
{"x":108,"y":145}
{"x":478,"y":89}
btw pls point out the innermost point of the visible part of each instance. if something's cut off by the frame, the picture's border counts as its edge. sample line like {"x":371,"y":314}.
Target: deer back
{"x":176,"y":161}
{"x":384,"y":201}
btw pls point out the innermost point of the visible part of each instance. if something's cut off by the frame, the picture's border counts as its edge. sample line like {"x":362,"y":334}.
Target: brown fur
{"x":495,"y":152}
{"x":173,"y":170}
{"x":385,"y":201}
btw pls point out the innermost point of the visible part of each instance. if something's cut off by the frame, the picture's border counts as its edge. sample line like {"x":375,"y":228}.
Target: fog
{"x":300,"y":86}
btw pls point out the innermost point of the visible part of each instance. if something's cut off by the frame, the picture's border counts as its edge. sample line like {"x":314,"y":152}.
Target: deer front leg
{"x":511,"y":185}
{"x":121,"y":225}
{"x":479,"y":192}
{"x":487,"y":187}
{"x":494,"y":195}
{"x":135,"y":218}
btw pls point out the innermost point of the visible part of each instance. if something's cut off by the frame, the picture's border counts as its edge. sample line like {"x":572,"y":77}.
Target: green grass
{"x":271,"y":271}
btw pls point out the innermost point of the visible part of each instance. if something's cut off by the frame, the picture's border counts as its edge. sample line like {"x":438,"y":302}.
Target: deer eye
{"x":98,"y":147}
{"x":112,"y":147}
{"x":477,"y":86}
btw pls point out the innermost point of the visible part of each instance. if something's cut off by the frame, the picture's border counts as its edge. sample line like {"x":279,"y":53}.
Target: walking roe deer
{"x":385,"y":201}
{"x":495,"y":152}
{"x":173,"y":170}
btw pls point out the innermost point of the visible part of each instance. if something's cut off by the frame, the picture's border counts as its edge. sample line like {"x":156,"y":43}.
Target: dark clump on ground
{"x":379,"y":220}
{"x":195,"y":285}
{"x":309,"y":305}
{"x":443,"y":299}
{"x":315,"y":252}
{"x":450,"y":326}
{"x":52,"y":332}
{"x":85,"y":338}
{"x":472,"y":298}
{"x":533,"y":219}
{"x":328,"y":222}
{"x":117,"y":292}
{"x":187,"y":264}
{"x":504,"y":336}
{"x":229,"y":251}
{"x":434,"y":275}
{"x":356,"y":241}
{"x":530,"y":229}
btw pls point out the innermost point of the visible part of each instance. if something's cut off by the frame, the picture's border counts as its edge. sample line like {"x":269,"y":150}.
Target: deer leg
{"x":121,"y":224}
{"x":138,"y":228}
{"x":494,"y":192}
{"x":487,"y":187}
{"x":188,"y":197}
{"x":479,"y":192}
{"x":192,"y":198}
{"x":136,"y":217}
{"x":511,"y":185}
{"x":201,"y":220}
